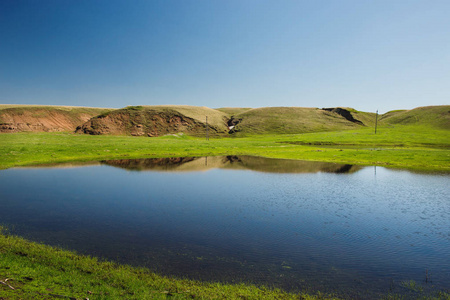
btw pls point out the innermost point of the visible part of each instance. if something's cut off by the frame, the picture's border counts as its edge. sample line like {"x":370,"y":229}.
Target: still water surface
{"x":358,"y":232}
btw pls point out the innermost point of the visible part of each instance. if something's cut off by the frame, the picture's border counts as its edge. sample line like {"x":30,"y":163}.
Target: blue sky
{"x":367,"y":55}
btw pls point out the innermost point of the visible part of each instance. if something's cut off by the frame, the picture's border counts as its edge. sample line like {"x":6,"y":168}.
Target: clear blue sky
{"x":369,"y":55}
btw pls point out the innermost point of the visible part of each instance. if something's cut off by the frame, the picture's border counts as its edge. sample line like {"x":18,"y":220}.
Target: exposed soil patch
{"x":42,"y":119}
{"x":344,"y":113}
{"x":232,"y":122}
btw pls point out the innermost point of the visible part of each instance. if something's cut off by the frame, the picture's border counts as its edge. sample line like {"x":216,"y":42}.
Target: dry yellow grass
{"x":231,"y":111}
{"x":61,"y":107}
{"x":215,"y":118}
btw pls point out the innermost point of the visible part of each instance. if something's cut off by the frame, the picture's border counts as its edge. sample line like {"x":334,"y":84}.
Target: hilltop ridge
{"x":160,"y":120}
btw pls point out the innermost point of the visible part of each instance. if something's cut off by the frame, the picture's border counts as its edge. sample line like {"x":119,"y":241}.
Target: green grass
{"x":391,"y":135}
{"x":415,"y":146}
{"x":412,"y":285}
{"x":35,"y":271}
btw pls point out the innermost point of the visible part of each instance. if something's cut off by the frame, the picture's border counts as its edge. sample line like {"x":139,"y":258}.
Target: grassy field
{"x":414,"y":146}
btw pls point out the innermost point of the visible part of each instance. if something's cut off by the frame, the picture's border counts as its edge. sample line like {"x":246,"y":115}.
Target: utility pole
{"x":376,"y":122}
{"x":207,"y":129}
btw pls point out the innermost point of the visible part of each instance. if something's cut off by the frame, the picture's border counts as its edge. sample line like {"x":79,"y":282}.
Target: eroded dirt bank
{"x":44,"y":119}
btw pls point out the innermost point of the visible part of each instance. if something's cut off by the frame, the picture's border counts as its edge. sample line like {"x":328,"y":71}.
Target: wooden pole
{"x":207,"y":129}
{"x":376,"y":122}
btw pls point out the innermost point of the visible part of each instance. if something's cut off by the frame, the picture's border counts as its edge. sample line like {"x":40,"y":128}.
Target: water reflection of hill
{"x":260,"y":164}
{"x":67,"y":165}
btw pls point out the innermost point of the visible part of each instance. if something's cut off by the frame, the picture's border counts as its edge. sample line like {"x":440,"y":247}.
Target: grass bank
{"x":414,"y":147}
{"x":34,"y":271}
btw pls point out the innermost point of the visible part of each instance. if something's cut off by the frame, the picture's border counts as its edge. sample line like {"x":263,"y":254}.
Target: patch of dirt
{"x":344,"y":113}
{"x":232,"y":122}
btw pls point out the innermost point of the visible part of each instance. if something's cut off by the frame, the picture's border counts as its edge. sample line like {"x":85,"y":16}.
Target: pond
{"x":359,"y":232}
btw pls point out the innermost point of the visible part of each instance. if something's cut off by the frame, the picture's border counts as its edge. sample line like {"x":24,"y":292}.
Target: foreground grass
{"x":34,"y":271}
{"x":416,"y":147}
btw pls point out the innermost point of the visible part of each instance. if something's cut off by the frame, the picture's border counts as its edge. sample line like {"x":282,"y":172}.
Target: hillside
{"x":156,"y":121}
{"x":216,"y":118}
{"x":434,"y":116}
{"x":39,"y":118}
{"x":161,"y":120}
{"x":172,"y":119}
{"x":280,"y":120}
{"x":231,"y":111}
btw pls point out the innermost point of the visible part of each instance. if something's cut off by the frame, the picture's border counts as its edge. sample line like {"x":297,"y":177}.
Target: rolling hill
{"x":434,"y":116}
{"x":281,"y":120}
{"x":154,"y":121}
{"x":191,"y":120}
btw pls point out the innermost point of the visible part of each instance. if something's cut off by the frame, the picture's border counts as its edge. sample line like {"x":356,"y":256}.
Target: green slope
{"x":282,"y":120}
{"x":433,"y":116}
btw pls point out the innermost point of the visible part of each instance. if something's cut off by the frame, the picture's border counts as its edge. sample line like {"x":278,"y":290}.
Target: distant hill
{"x":435,"y":116}
{"x":279,"y":120}
{"x":191,"y":120}
{"x":40,"y":118}
{"x":170,"y":119}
